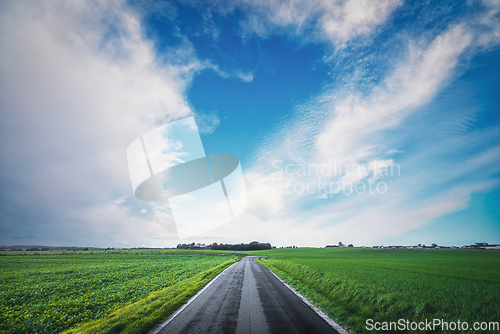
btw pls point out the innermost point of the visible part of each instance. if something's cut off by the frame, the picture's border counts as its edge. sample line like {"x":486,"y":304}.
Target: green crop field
{"x":352,"y":285}
{"x":51,"y":293}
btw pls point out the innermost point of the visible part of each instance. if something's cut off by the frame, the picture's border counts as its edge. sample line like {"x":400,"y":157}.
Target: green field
{"x":132,"y":291}
{"x":50,"y":293}
{"x":352,"y":285}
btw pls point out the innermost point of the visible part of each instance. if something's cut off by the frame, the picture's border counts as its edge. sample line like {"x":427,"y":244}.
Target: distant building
{"x":482,"y":245}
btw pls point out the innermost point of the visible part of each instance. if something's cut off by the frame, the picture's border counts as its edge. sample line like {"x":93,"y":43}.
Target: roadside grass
{"x":353,"y":285}
{"x":144,"y":315}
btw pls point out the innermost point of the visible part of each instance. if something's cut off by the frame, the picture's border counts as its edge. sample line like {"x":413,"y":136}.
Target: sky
{"x":366,"y":122}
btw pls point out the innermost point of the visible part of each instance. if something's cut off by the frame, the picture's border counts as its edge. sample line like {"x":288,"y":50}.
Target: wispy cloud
{"x":348,"y":126}
{"x":394,"y":151}
{"x":244,"y":76}
{"x":488,"y":24}
{"x":333,"y":21}
{"x":414,"y":81}
{"x":207,"y":122}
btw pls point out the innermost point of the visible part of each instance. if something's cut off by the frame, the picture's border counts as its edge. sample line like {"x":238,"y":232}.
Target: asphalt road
{"x":247,"y":298}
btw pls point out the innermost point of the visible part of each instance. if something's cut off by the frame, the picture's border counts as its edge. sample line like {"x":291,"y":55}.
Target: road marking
{"x":179,"y":310}
{"x":322,"y":314}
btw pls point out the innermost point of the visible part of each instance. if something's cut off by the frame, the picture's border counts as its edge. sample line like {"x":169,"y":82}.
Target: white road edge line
{"x":179,"y":310}
{"x":322,"y":314}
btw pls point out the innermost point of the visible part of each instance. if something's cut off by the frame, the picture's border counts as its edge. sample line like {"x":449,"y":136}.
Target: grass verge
{"x":146,"y":314}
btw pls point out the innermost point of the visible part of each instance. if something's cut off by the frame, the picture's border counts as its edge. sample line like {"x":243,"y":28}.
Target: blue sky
{"x":377,"y":86}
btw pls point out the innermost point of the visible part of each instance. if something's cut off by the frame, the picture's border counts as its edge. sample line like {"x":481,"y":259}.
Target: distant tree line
{"x":192,"y":246}
{"x":254,"y":245}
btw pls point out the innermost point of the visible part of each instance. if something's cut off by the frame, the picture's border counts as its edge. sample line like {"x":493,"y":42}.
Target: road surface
{"x":247,"y":298}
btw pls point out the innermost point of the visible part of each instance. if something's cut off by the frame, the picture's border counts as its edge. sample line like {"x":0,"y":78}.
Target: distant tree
{"x":350,"y":245}
{"x":254,"y":245}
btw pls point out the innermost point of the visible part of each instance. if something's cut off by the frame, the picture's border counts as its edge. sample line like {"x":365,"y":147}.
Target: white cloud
{"x":348,"y":127}
{"x":344,"y":127}
{"x":120,"y":200}
{"x":394,"y":217}
{"x":79,"y":82}
{"x":246,"y":77}
{"x":488,"y":24}
{"x":333,"y":21}
{"x":207,"y":122}
{"x":264,"y":200}
{"x":414,"y":81}
{"x":394,"y":151}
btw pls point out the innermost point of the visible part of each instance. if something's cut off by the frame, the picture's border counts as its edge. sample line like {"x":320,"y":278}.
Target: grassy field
{"x":51,"y":293}
{"x":353,"y":285}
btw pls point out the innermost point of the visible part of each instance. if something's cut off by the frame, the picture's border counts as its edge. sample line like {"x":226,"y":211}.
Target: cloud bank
{"x":79,"y":83}
{"x":352,"y":127}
